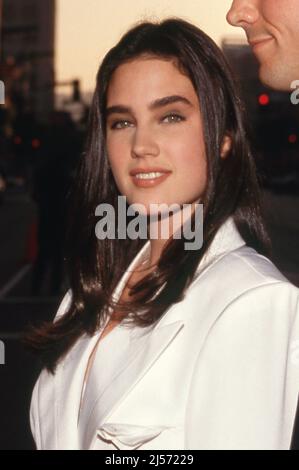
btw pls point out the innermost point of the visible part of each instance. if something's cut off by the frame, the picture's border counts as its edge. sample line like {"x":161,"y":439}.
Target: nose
{"x":144,"y":143}
{"x":243,"y":12}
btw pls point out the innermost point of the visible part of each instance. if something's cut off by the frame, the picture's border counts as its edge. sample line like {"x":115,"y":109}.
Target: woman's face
{"x":154,"y":125}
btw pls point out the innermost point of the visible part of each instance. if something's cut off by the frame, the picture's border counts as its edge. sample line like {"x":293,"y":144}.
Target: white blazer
{"x":220,"y":369}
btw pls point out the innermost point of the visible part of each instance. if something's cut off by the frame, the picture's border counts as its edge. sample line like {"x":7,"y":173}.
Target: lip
{"x":259,"y":42}
{"x":149,"y":183}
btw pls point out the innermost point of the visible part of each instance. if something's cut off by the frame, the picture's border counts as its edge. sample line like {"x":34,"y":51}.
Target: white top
{"x":110,"y":348}
{"x":219,"y":370}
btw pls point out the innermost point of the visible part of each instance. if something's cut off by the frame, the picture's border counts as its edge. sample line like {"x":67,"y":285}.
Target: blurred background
{"x":49,"y":54}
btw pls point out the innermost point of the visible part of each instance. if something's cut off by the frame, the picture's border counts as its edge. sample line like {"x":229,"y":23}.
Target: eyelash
{"x":178,"y":118}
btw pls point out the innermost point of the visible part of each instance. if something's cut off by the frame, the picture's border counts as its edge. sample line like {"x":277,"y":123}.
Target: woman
{"x":156,"y":346}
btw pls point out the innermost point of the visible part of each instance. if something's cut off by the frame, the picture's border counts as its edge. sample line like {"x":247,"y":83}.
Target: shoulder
{"x":243,"y":286}
{"x":251,"y":318}
{"x":261,"y":281}
{"x":250,"y":260}
{"x":269,"y":308}
{"x":244,"y":269}
{"x":249,"y":265}
{"x":260,"y":305}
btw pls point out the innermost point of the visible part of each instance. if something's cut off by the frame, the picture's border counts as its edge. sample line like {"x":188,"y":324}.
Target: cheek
{"x":117,"y":152}
{"x":269,"y":10}
{"x":189,"y":153}
{"x":285,"y":17}
{"x":190,"y":167}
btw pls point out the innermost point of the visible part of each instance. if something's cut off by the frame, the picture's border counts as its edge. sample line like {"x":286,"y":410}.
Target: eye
{"x":121,"y":124}
{"x":173,"y":118}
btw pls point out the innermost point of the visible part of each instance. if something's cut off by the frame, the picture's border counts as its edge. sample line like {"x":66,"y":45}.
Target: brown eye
{"x":173,"y":118}
{"x":121,"y":124}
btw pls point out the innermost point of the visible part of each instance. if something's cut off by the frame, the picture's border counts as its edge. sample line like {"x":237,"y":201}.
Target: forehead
{"x":146,"y":79}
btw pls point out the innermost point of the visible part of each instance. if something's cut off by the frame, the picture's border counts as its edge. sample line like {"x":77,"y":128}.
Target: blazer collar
{"x":145,"y":347}
{"x":226,"y":239}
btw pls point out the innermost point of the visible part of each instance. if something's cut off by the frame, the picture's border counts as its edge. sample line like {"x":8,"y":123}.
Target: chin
{"x":275,"y":78}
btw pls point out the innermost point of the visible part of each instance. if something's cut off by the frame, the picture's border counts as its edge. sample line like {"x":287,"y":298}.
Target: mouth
{"x":149,"y":178}
{"x":258,"y":43}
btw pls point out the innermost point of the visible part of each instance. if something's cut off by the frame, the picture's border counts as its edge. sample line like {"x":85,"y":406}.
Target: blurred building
{"x":27,"y":55}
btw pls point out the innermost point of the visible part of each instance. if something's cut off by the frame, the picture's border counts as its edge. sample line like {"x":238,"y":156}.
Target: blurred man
{"x":272,"y":30}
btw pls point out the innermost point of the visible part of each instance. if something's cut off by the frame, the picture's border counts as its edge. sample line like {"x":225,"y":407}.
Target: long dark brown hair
{"x":95,"y":266}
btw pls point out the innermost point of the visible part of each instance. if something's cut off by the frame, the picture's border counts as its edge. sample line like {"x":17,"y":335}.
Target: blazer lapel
{"x":145,"y":347}
{"x":69,"y":376}
{"x":68,"y":379}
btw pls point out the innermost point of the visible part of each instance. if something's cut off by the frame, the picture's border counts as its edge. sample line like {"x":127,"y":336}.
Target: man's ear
{"x":226,"y":146}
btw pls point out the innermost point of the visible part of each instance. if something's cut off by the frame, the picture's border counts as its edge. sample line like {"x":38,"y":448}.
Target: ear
{"x":226,"y":146}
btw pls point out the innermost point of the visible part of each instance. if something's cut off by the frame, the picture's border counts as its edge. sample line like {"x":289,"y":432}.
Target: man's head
{"x":272,"y":29}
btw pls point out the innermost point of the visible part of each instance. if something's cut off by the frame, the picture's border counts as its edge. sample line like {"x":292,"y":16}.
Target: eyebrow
{"x":159,"y":103}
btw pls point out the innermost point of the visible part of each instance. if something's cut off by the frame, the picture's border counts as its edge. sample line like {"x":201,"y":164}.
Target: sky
{"x":87,"y":29}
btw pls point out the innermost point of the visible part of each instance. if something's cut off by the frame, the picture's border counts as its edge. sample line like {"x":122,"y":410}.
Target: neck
{"x":160,"y":232}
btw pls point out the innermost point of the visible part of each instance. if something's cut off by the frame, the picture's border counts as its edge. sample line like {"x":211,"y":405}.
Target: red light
{"x":292,"y":138}
{"x":264,"y":99}
{"x":35,"y":143}
{"x":17,"y":140}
